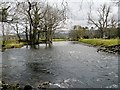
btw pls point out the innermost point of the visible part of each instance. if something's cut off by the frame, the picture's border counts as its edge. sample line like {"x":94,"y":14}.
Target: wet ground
{"x":66,"y":65}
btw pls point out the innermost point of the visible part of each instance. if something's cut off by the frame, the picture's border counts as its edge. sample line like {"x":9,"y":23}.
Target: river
{"x":65,"y":65}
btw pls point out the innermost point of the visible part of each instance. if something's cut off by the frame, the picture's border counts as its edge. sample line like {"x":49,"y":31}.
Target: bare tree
{"x":6,"y":18}
{"x":42,"y":18}
{"x":35,"y":18}
{"x":103,"y":19}
{"x":54,"y":18}
{"x":3,"y":20}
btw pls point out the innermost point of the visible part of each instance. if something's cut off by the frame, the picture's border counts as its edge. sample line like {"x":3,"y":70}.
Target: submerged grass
{"x":101,"y":42}
{"x":15,"y":45}
{"x":12,"y":44}
{"x":56,"y":40}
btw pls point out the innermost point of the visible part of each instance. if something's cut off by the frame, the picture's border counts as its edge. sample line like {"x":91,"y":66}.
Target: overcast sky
{"x":78,"y":10}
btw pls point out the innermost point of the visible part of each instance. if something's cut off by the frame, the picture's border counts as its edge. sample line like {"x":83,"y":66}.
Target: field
{"x":101,"y":42}
{"x":56,"y":40}
{"x":12,"y":43}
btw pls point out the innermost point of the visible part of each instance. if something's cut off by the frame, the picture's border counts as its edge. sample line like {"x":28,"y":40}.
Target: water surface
{"x":65,"y":65}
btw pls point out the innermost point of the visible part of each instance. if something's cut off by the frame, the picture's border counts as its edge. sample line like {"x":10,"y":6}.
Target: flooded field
{"x":65,"y":65}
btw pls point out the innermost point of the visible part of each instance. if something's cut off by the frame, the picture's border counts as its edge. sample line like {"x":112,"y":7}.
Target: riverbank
{"x":12,"y":44}
{"x":5,"y":86}
{"x":106,"y":45}
{"x":15,"y":44}
{"x":101,"y":42}
{"x":57,"y":40}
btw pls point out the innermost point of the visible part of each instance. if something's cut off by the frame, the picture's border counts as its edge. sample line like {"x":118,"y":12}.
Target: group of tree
{"x":34,"y":20}
{"x":61,"y":34}
{"x":86,"y":33}
{"x":105,"y":22}
{"x":77,"y":32}
{"x":106,"y":26}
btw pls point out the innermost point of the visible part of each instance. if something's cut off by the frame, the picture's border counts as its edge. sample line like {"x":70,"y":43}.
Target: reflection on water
{"x":65,"y":65}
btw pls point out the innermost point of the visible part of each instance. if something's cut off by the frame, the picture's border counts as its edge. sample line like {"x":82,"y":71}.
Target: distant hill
{"x":61,"y":34}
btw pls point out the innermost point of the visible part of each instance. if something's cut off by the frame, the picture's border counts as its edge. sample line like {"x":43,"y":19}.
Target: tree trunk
{"x":26,"y":31}
{"x":3,"y":34}
{"x":18,"y":33}
{"x":30,"y":34}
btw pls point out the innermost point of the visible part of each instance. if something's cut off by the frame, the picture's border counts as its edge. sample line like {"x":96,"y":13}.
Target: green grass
{"x":12,"y":43}
{"x":56,"y":40}
{"x":101,"y":42}
{"x":16,"y":45}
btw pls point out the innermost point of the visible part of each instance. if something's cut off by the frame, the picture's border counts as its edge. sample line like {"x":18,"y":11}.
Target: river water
{"x":65,"y":65}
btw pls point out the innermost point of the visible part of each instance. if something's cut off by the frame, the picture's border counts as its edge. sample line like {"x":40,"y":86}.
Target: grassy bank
{"x":13,"y":44}
{"x":101,"y":42}
{"x":57,"y":40}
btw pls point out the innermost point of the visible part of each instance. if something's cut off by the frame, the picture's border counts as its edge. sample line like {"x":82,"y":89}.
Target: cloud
{"x":78,"y":9}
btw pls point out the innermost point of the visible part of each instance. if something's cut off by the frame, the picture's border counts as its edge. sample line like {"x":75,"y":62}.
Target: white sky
{"x":78,"y":10}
